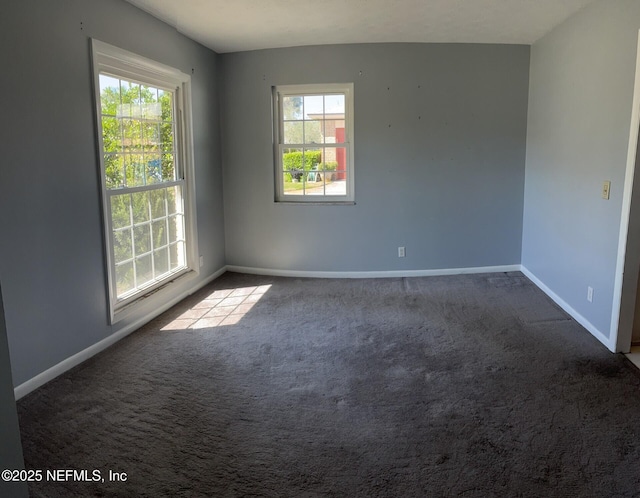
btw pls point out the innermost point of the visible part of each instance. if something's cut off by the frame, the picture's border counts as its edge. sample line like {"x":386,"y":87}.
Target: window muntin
{"x":314,"y":143}
{"x":145,"y":161}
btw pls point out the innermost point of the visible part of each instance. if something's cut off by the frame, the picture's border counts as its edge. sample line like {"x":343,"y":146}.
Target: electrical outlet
{"x":201,"y":261}
{"x":606,"y":190}
{"x":401,"y":252}
{"x":590,"y":294}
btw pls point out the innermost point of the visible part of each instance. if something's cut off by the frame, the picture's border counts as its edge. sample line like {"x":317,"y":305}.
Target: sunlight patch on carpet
{"x":221,"y":307}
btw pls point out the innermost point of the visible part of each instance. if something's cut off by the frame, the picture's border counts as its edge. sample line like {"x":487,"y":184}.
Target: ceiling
{"x":239,"y":25}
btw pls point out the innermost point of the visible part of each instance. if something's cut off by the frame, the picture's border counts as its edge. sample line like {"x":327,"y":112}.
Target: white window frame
{"x":122,"y":63}
{"x":280,"y":91}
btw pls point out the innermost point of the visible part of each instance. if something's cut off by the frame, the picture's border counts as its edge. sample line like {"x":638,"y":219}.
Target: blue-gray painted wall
{"x":11,"y":447}
{"x":51,"y":255}
{"x":581,"y":94}
{"x":440,"y":134}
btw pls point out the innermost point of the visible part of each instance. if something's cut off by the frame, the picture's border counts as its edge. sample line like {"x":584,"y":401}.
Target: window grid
{"x":142,"y":148}
{"x":314,"y":159}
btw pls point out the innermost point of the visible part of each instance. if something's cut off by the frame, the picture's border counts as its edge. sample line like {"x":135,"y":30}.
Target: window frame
{"x":279,"y":91}
{"x":121,"y":63}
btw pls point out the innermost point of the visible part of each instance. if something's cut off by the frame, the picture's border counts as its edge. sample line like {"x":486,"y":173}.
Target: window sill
{"x":154,"y":298}
{"x":317,"y":203}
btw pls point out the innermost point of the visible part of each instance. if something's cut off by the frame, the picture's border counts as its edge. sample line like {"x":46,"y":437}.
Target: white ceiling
{"x":238,"y":25}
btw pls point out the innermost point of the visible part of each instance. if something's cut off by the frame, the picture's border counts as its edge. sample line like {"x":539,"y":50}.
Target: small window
{"x":314,"y":143}
{"x":146,"y":171}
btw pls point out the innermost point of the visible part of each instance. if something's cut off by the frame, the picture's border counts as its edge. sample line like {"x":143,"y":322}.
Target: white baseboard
{"x":370,"y":274}
{"x":574,"y":314}
{"x":67,"y":364}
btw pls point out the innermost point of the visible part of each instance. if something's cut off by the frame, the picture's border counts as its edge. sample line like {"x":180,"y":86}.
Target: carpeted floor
{"x":472,"y":386}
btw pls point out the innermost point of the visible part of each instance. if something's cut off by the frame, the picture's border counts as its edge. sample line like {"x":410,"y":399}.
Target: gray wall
{"x":11,"y":447}
{"x":581,"y":93}
{"x":51,"y":256}
{"x":635,"y":336}
{"x":439,"y":158}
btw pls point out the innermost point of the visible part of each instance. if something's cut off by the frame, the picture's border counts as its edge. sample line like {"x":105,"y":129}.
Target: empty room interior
{"x":357,"y":248}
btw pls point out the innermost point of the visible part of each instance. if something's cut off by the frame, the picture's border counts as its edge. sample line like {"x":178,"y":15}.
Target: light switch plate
{"x":606,"y":190}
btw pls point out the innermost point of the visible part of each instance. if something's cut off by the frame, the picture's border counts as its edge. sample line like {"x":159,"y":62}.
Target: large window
{"x":143,"y":110}
{"x":314,"y":143}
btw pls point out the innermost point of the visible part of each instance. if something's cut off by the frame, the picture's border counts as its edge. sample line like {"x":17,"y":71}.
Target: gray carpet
{"x":472,"y":386}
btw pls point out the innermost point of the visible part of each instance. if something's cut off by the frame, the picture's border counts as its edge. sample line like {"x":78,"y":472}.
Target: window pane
{"x":130,"y":94}
{"x":152,"y":111}
{"x":176,"y":228}
{"x":312,"y":158}
{"x":159,"y":233}
{"x":149,"y":94}
{"x":120,"y":215}
{"x":292,"y":170}
{"x":329,"y":164}
{"x":124,"y":278}
{"x":177,"y":257}
{"x":144,"y":270}
{"x":339,"y":155}
{"x":166,"y":103}
{"x":292,"y":108}
{"x":313,"y":132}
{"x":122,"y":246}
{"x":134,"y":170}
{"x":313,"y":106}
{"x":292,"y":160}
{"x":151,"y":137}
{"x":111,"y":135}
{"x":161,"y":261}
{"x":109,"y":94}
{"x":293,"y":132}
{"x":142,"y":238}
{"x":158,"y":205}
{"x":315,"y":183}
{"x":338,"y":187}
{"x":114,"y":170}
{"x":334,"y":131}
{"x":334,"y":104}
{"x":166,"y":137}
{"x":168,"y":168}
{"x":174,"y":199}
{"x":132,"y":135}
{"x":140,"y":207}
{"x":154,"y":168}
